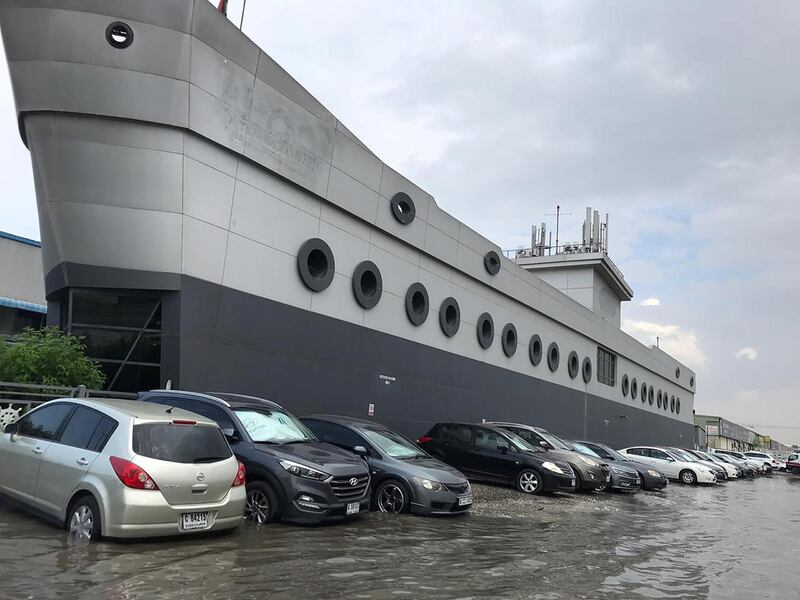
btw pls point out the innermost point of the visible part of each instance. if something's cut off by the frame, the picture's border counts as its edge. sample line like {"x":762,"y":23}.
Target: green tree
{"x":49,"y":357}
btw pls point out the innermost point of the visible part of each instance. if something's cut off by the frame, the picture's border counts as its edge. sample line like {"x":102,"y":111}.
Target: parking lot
{"x":733,"y":540}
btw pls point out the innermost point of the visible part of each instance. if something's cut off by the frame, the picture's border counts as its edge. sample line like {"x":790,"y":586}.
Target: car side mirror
{"x":544,"y":444}
{"x":361,"y":451}
{"x":230,"y":434}
{"x":11,"y":428}
{"x":503,"y":449}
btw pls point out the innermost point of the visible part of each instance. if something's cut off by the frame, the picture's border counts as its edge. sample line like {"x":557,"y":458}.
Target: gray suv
{"x":122,"y":469}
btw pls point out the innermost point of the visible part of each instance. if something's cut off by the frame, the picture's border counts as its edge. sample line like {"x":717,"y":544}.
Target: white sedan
{"x":685,"y":472}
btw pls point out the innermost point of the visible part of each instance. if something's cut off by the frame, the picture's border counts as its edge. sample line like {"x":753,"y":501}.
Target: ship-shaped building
{"x":206,"y":220}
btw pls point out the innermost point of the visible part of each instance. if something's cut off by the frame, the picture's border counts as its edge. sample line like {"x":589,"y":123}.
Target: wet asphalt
{"x":739,"y":539}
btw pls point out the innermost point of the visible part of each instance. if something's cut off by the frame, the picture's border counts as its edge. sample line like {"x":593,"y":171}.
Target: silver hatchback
{"x":122,"y":469}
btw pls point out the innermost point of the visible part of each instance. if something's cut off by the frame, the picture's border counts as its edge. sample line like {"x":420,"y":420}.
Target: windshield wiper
{"x":303,"y":441}
{"x":208,"y":459}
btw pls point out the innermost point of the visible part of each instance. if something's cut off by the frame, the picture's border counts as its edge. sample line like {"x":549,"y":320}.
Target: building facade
{"x":22,"y":298}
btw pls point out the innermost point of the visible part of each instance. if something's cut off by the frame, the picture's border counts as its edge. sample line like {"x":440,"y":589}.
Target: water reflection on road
{"x":736,"y":540}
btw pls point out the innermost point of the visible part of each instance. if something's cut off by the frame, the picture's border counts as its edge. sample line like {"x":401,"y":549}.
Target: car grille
{"x":457,"y":488}
{"x":345,"y":490}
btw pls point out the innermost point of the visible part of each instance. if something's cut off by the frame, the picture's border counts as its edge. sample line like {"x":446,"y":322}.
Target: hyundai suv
{"x":291,"y":475}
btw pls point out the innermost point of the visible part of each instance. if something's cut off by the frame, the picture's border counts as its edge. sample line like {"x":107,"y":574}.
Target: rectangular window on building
{"x":606,"y":367}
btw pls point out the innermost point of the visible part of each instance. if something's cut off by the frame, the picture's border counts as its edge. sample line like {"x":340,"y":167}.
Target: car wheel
{"x":603,"y":487}
{"x":392,"y":497}
{"x":529,"y":482}
{"x":83,"y":519}
{"x":688,"y":477}
{"x":261,"y":505}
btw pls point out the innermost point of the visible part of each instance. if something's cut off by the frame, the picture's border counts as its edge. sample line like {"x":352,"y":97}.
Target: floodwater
{"x":733,"y":540}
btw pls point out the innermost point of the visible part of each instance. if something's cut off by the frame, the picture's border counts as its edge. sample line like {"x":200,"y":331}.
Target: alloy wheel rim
{"x":81,"y":524}
{"x":529,"y":482}
{"x":391,"y":499}
{"x":257,"y":507}
{"x":688,"y":477}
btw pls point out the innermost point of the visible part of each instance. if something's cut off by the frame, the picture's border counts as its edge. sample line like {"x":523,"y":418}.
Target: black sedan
{"x":494,"y":455}
{"x":652,"y":479}
{"x":404,"y":477}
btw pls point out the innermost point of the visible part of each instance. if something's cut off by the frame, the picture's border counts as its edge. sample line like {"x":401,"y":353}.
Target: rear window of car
{"x":180,"y":443}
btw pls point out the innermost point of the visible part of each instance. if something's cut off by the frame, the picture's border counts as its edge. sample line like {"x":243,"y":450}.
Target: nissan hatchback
{"x":122,"y":469}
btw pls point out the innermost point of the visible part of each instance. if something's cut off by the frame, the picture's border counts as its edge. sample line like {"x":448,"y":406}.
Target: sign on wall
{"x":712,"y":429}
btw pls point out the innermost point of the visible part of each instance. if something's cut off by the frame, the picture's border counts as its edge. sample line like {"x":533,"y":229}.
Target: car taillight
{"x":240,"y":478}
{"x":424,"y":439}
{"x":132,"y":475}
{"x":183,"y":422}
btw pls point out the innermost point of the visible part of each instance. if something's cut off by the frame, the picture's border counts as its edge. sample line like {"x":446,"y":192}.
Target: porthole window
{"x":367,"y":284}
{"x":417,"y":305}
{"x":678,"y":406}
{"x":509,"y":339}
{"x":677,"y":372}
{"x":587,"y":369}
{"x":492,"y":262}
{"x":651,"y":395}
{"x":644,"y":392}
{"x":403,"y":208}
{"x":573,"y":364}
{"x":485,"y":330}
{"x":119,"y":35}
{"x":626,"y":385}
{"x":535,"y":349}
{"x":315,"y":264}
{"x":691,"y":381}
{"x":449,"y":316}
{"x":553,"y":356}
{"x":672,"y":403}
{"x":658,"y":399}
{"x":634,"y":389}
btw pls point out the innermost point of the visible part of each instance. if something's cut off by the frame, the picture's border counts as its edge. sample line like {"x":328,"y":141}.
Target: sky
{"x":679,"y":119}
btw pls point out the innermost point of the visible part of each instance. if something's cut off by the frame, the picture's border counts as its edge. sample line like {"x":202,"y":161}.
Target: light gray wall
{"x":21,"y":275}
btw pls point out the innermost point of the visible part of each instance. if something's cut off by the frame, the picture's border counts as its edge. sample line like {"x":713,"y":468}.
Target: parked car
{"x":685,"y":472}
{"x":590,"y":475}
{"x":720,"y":472}
{"x":122,"y":469}
{"x":731,"y":471}
{"x":748,"y":470}
{"x":405,"y":477}
{"x":623,"y":479}
{"x":793,"y":464}
{"x":760,"y":467}
{"x":292,"y":476}
{"x":767,"y":459}
{"x":491,"y":454}
{"x":651,"y":478}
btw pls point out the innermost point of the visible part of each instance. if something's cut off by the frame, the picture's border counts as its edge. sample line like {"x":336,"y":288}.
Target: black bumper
{"x":623,"y":482}
{"x":557,"y":482}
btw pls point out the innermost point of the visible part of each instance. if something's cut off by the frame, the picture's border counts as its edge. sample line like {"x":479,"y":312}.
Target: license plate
{"x":625,"y":484}
{"x":608,"y":477}
{"x":353,"y":508}
{"x":638,"y":481}
{"x":465,"y":501}
{"x":572,"y":482}
{"x":192,"y":521}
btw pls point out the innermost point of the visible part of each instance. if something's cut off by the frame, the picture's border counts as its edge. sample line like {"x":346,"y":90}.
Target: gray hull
{"x":190,"y":164}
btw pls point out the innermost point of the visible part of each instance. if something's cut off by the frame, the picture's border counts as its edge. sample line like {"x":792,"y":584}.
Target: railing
{"x":25,"y":396}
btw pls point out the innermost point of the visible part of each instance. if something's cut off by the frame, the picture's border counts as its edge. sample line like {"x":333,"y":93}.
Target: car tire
{"x":261,"y":506}
{"x":83,"y":519}
{"x":392,"y":496}
{"x":688,"y":477}
{"x":604,"y":487}
{"x":529,"y":481}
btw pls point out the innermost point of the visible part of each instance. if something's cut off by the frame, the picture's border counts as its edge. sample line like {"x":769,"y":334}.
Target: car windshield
{"x":273,"y":426}
{"x":391,"y":443}
{"x":553,"y":440}
{"x":675,"y":455}
{"x":521,"y":443}
{"x":585,"y":449}
{"x":683,"y":455}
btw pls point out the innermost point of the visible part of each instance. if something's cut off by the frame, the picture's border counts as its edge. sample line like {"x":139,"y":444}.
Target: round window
{"x":403,"y":208}
{"x":509,"y":339}
{"x":677,"y":372}
{"x":626,"y":385}
{"x":658,"y":399}
{"x":492,"y":262}
{"x":573,"y":364}
{"x":644,"y":392}
{"x":119,"y":35}
{"x":417,"y":303}
{"x":672,"y":403}
{"x":449,"y":316}
{"x":587,"y":369}
{"x":535,"y":349}
{"x":553,"y":356}
{"x":678,"y":406}
{"x":367,"y":284}
{"x":315,"y":264}
{"x":651,"y":395}
{"x":634,"y":389}
{"x":485,"y":330}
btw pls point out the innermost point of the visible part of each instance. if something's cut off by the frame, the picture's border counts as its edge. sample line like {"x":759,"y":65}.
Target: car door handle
{"x":82,"y":462}
{"x":37,"y":450}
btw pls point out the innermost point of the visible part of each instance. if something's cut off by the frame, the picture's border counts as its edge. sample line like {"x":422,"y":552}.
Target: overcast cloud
{"x":680,"y":119}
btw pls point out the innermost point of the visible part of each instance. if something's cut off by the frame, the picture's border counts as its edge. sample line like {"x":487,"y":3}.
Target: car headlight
{"x":589,"y":461}
{"x":621,"y":471}
{"x":653,"y":473}
{"x":550,"y":466}
{"x":430,"y":484}
{"x":304,"y":471}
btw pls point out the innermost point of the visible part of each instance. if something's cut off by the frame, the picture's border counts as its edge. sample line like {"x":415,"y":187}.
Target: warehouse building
{"x":22,"y":301}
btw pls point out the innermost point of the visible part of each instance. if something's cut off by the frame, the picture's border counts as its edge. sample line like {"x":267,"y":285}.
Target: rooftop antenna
{"x":558,"y":219}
